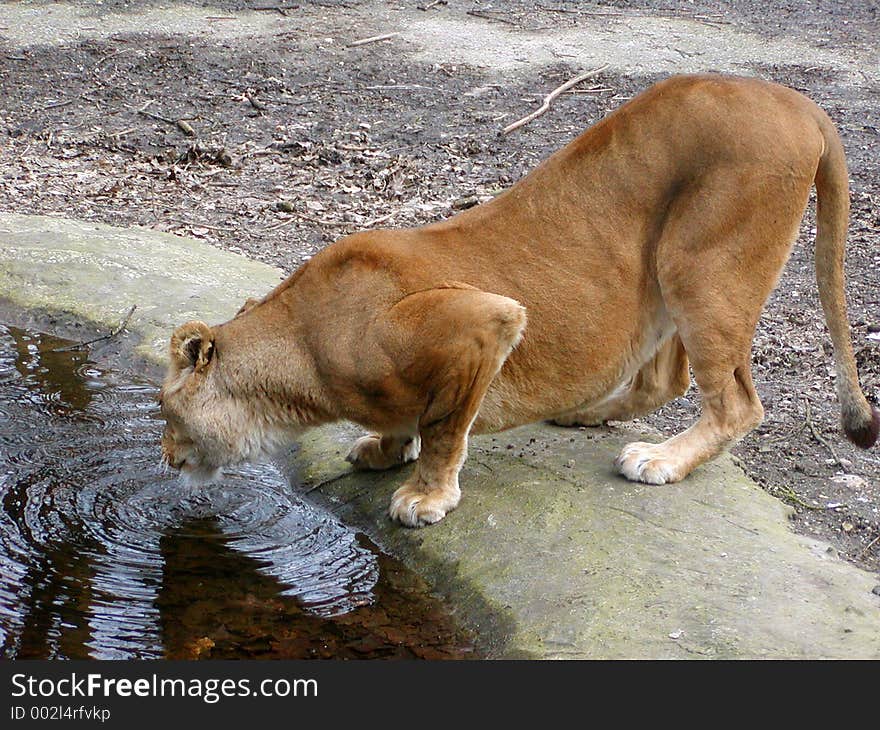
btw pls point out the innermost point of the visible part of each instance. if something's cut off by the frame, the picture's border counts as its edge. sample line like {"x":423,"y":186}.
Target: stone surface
{"x":96,"y":273}
{"x":583,"y":564}
{"x":550,"y":554}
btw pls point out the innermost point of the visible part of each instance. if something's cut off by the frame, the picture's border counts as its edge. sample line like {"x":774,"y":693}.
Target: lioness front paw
{"x":414,"y":507}
{"x":368,"y":452}
{"x":648,"y":463}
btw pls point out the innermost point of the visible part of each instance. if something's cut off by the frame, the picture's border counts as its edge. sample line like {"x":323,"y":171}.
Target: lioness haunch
{"x":580,"y":295}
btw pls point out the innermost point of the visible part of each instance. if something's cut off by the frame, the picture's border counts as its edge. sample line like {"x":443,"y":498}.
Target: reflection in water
{"x":102,"y":556}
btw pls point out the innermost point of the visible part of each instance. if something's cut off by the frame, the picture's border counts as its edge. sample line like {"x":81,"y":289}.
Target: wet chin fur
{"x":200,"y":475}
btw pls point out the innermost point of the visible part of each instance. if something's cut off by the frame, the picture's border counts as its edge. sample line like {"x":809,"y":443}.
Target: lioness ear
{"x":192,"y":345}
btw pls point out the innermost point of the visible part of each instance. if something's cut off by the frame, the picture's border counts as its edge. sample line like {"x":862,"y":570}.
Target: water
{"x":104,"y":556}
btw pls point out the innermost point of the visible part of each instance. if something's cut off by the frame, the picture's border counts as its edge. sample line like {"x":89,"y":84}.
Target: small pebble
{"x":876,"y":590}
{"x":676,"y":634}
{"x":850,"y":481}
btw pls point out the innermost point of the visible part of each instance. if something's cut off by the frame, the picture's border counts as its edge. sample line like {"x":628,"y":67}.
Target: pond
{"x":102,"y":555}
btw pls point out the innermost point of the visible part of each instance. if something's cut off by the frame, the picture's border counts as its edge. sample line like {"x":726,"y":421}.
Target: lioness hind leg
{"x":737,"y":239}
{"x":662,"y":378}
{"x":730,"y":409}
{"x":458,"y":341}
{"x":376,"y":452}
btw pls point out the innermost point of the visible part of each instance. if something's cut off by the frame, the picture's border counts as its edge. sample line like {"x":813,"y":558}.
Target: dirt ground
{"x":259,"y":128}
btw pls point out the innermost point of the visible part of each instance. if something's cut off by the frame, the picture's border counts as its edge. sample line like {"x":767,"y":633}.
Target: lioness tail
{"x":861,"y":422}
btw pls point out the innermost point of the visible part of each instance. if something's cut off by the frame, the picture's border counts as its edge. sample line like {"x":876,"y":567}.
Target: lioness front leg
{"x":376,"y":452}
{"x":433,"y":489}
{"x":456,"y":340}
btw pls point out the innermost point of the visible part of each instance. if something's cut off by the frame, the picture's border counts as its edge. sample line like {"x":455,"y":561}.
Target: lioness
{"x":579,"y":295}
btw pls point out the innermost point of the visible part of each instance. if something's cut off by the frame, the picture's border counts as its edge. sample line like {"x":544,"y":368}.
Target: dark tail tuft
{"x":864,"y":434}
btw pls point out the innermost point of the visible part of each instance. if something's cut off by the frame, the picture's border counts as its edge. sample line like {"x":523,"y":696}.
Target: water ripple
{"x":85,"y":510}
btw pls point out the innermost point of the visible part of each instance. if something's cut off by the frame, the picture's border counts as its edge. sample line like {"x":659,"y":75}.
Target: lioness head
{"x":208,"y":424}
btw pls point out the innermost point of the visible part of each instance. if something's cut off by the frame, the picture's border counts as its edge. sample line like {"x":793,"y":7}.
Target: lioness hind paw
{"x":647,"y":463}
{"x":367,"y":453}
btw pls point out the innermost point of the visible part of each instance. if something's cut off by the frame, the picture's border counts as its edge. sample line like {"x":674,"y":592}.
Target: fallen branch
{"x":550,"y":97}
{"x":110,"y":335}
{"x":373,"y":39}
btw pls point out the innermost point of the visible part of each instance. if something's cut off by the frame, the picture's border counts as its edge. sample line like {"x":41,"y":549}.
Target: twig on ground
{"x":431,"y":5}
{"x":302,"y":216}
{"x":255,"y":103}
{"x":191,"y":224}
{"x":373,"y":39}
{"x":58,"y":104}
{"x":280,"y":9}
{"x":869,"y":546}
{"x":399,"y":87}
{"x":558,"y":10}
{"x":789,"y":493}
{"x":113,"y":333}
{"x":181,"y":124}
{"x":486,"y":16}
{"x":816,"y":435}
{"x":380,"y":219}
{"x":129,"y":130}
{"x":108,"y":57}
{"x":550,"y":97}
{"x":591,"y":90}
{"x":788,"y":435}
{"x":158,"y":118}
{"x":711,"y":21}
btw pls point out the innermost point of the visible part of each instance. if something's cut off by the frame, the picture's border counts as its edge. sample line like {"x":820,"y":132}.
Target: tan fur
{"x":650,"y":241}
